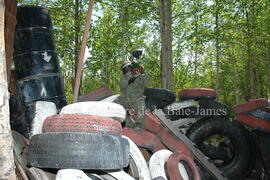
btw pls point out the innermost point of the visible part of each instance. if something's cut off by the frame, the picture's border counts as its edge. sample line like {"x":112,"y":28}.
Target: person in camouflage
{"x":132,"y":84}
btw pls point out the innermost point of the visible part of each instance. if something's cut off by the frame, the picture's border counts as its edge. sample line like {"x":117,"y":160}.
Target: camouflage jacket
{"x":135,"y":88}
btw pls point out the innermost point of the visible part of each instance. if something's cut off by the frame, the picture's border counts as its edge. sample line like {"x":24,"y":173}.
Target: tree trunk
{"x":267,"y":62}
{"x":166,"y":44}
{"x":250,"y":58}
{"x":7,"y":167}
{"x":217,"y":44}
{"x":235,"y":89}
{"x":77,"y":39}
{"x":124,"y":29}
{"x":196,"y":48}
{"x":77,"y":33}
{"x":258,"y":84}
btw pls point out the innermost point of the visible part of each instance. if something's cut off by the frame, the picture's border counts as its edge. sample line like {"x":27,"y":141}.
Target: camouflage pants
{"x":137,"y":105}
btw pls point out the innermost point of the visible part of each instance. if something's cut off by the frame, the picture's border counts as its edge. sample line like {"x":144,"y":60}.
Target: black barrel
{"x":36,"y":60}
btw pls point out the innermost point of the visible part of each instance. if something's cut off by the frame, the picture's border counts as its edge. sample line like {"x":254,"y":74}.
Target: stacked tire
{"x":86,"y":135}
{"x":36,"y":61}
{"x":173,"y":165}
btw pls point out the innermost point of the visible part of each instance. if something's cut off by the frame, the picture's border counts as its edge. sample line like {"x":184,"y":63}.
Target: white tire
{"x":157,"y":164}
{"x":119,"y":175}
{"x":139,"y":161}
{"x":43,"y":109}
{"x":183,"y":171}
{"x":38,"y":174}
{"x":96,"y":108}
{"x":110,"y":98}
{"x":71,"y":174}
{"x":96,"y":177}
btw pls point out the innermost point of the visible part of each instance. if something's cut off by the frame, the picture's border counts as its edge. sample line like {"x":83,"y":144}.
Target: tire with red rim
{"x":197,"y":93}
{"x":251,"y":105}
{"x":82,"y":123}
{"x":174,"y":171}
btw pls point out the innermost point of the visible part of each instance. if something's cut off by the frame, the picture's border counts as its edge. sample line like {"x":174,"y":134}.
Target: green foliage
{"x":118,"y":27}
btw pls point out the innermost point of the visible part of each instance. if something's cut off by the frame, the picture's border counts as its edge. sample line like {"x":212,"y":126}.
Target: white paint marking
{"x":46,"y":57}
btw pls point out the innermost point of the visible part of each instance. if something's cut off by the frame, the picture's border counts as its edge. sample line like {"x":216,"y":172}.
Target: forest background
{"x":219,"y":44}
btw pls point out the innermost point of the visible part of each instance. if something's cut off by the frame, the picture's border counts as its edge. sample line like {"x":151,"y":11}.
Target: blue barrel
{"x":36,"y":60}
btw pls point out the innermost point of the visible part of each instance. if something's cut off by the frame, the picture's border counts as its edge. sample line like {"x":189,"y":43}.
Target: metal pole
{"x":82,"y":52}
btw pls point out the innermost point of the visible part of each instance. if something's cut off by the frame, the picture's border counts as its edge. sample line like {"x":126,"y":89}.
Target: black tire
{"x":241,"y":145}
{"x":161,"y":97}
{"x":78,"y":151}
{"x":152,"y":104}
{"x":262,"y":166}
{"x":33,"y":16}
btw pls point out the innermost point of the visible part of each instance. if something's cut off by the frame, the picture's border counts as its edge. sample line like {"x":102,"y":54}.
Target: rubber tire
{"x":96,"y":108}
{"x":244,"y":157}
{"x":110,"y":98}
{"x":78,"y":151}
{"x":197,"y":93}
{"x":43,"y":109}
{"x":95,"y":176}
{"x":82,"y":123}
{"x":157,"y":163}
{"x":152,"y":104}
{"x":250,"y":105}
{"x":39,"y":174}
{"x":138,"y":161}
{"x":112,"y":175}
{"x":162,"y":97}
{"x":65,"y":174}
{"x":158,"y":93}
{"x":119,"y":175}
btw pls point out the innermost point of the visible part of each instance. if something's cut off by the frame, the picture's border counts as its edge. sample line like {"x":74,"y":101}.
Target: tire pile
{"x":84,"y":135}
{"x":86,"y":140}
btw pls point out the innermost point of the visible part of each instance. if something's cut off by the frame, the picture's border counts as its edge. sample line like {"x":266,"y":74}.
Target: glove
{"x":137,"y":70}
